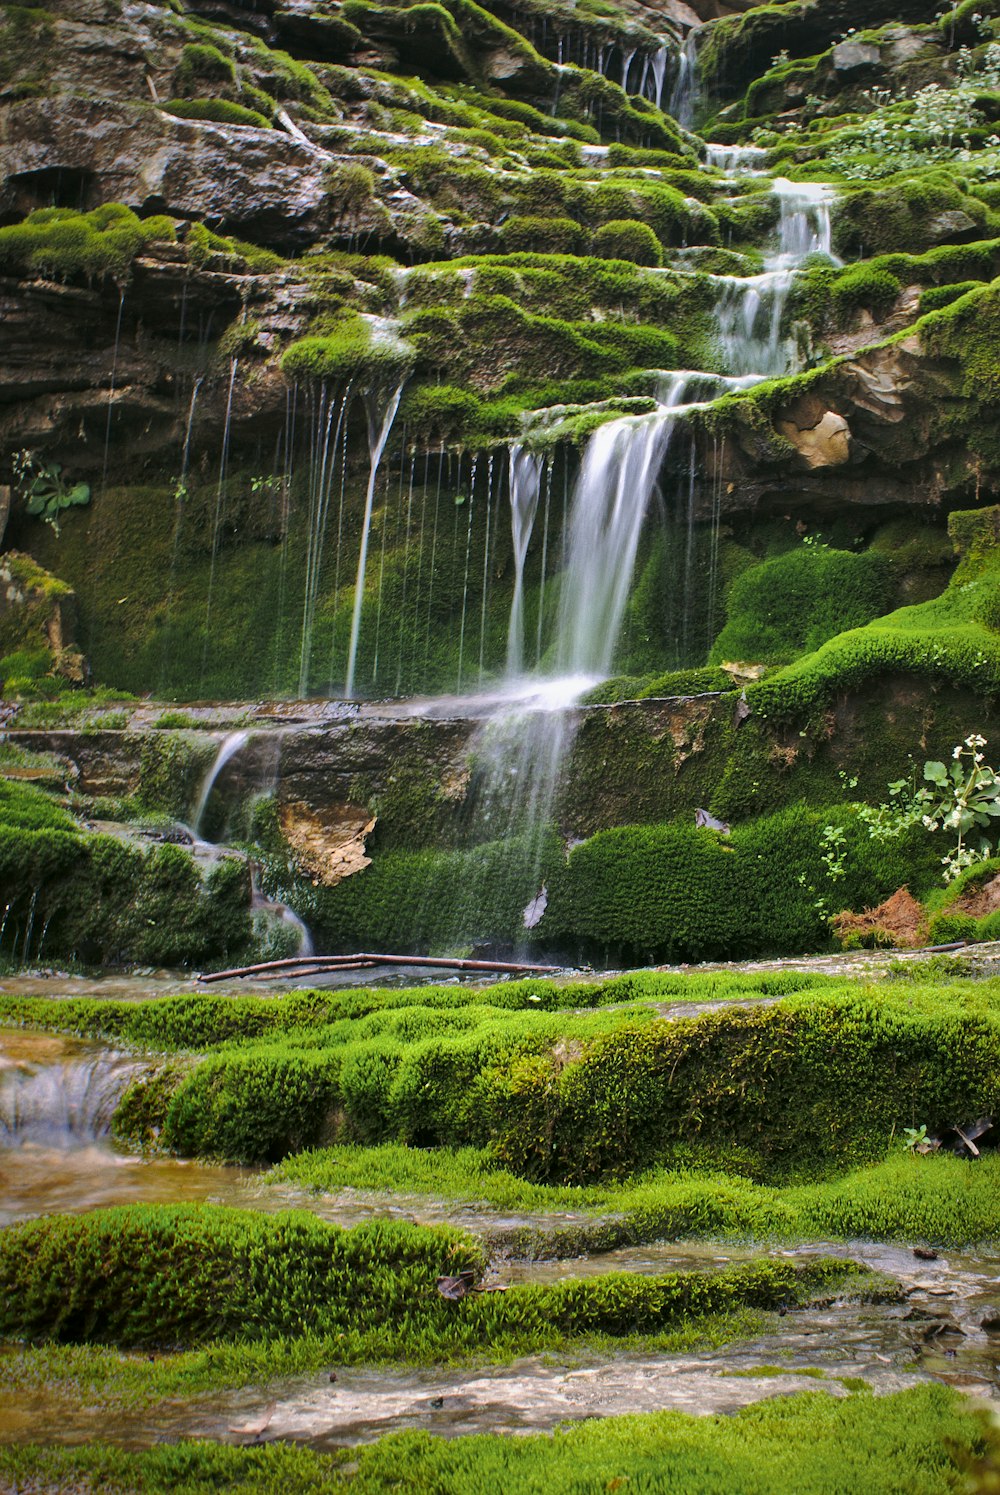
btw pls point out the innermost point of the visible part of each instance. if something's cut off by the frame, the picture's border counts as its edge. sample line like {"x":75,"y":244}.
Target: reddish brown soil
{"x":899,"y":921}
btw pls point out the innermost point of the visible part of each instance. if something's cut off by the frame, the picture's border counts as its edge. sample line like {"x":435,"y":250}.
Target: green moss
{"x":96,"y":898}
{"x":787,"y":1446}
{"x":791,"y":604}
{"x":68,"y":245}
{"x":900,"y":214}
{"x":542,"y":235}
{"x":865,"y":288}
{"x":216,"y":111}
{"x":205,"y":247}
{"x":627,"y":239}
{"x":202,"y":61}
{"x":357,"y":350}
{"x":110,"y":1277}
{"x":936,"y":297}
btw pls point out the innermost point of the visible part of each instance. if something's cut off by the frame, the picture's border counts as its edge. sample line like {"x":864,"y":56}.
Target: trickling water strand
{"x":465,"y":580}
{"x":319,"y":508}
{"x":626,"y":65}
{"x":217,"y":525}
{"x":288,"y":434}
{"x":420,"y":561}
{"x":545,"y":558}
{"x":713,"y":562}
{"x":432,"y":572}
{"x":378,"y":435}
{"x":658,"y":68}
{"x":319,"y":449}
{"x":486,"y":565}
{"x":111,"y":386}
{"x":406,"y":561}
{"x":381,"y":564}
{"x":29,"y":927}
{"x":689,"y":554}
{"x":180,"y":495}
{"x":340,"y":535}
{"x":275,"y":911}
{"x":525,"y":472}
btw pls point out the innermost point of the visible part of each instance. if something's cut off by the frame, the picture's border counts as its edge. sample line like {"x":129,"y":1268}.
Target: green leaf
{"x":78,"y":494}
{"x":936,"y":773}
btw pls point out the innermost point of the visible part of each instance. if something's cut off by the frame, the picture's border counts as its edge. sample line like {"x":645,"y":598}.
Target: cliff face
{"x":319,"y":324}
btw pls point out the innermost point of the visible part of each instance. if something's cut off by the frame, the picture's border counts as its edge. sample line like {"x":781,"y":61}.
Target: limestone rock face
{"x":821,"y":437}
{"x":262,"y":181}
{"x":329,"y":846}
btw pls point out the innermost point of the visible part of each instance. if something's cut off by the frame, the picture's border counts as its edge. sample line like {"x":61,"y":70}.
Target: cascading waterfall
{"x":379,"y":427}
{"x":658,"y":73}
{"x":520,"y":751}
{"x":684,"y":94}
{"x":736,"y":160}
{"x":65,"y":1104}
{"x":270,"y":909}
{"x":232,"y":743}
{"x":751,"y":308}
{"x":619,"y":471}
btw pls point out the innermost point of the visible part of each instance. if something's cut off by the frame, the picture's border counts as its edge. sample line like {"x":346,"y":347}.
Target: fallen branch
{"x":306,"y":964}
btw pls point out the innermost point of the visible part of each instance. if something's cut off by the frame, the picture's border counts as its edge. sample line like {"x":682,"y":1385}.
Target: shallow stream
{"x":56,"y":1099}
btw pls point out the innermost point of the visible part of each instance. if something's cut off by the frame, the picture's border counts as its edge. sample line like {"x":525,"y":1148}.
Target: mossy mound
{"x":109,"y":1277}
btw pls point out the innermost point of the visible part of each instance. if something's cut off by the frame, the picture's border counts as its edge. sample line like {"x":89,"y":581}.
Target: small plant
{"x":965,"y":798}
{"x":962,"y":796}
{"x":45,"y":491}
{"x":914,"y":1139}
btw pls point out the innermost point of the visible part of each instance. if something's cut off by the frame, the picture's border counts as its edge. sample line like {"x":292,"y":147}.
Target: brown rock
{"x":329,"y":845}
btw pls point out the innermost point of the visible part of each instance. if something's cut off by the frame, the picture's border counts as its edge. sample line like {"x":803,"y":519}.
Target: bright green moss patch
{"x":809,"y":1444}
{"x":357,"y":349}
{"x":628,"y":239}
{"x":216,"y":111}
{"x":110,"y":1277}
{"x":793,"y":1088}
{"x":63,"y":244}
{"x":795,"y":602}
{"x":939,"y":1199}
{"x":952,"y":636}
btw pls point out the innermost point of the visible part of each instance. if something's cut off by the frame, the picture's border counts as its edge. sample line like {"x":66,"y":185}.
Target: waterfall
{"x":627,"y":57}
{"x":232,"y":744}
{"x":751,"y":308}
{"x":658,"y":67}
{"x":520,"y":750}
{"x":64,"y":1104}
{"x":617,"y":476}
{"x":525,"y":485}
{"x":684,"y":94}
{"x":736,"y":160}
{"x":378,"y":435}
